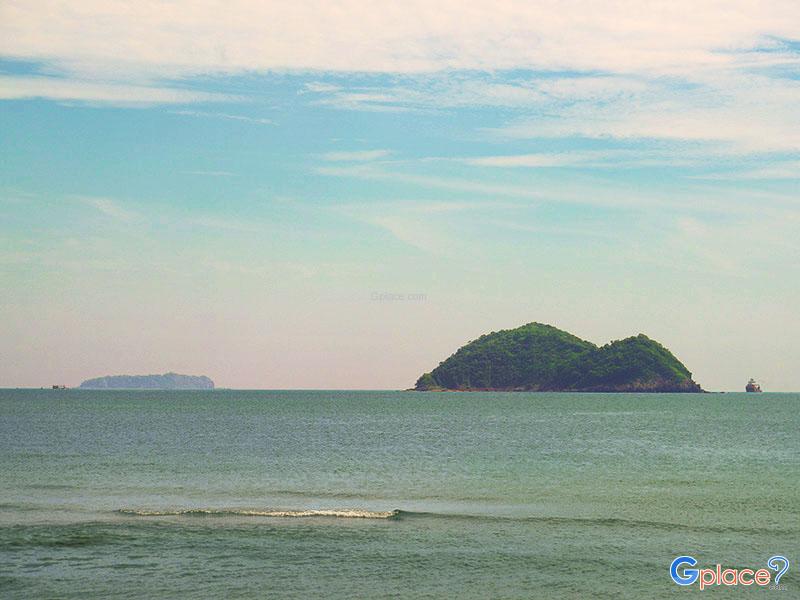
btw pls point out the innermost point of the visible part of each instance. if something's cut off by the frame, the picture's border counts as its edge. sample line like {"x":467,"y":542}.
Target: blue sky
{"x":338,"y":195}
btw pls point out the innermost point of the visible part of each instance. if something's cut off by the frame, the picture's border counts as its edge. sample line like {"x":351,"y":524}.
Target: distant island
{"x":537,"y":357}
{"x":167,"y":381}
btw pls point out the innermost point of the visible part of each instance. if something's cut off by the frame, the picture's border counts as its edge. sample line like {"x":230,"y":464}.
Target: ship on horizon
{"x":752,"y":386}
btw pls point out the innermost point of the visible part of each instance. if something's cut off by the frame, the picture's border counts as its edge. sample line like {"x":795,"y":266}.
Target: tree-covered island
{"x":537,"y":357}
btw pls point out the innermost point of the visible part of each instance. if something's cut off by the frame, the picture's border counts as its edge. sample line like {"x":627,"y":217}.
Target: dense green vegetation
{"x":543,"y":358}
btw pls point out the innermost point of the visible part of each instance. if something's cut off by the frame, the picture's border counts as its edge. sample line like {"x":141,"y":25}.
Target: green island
{"x":538,"y":357}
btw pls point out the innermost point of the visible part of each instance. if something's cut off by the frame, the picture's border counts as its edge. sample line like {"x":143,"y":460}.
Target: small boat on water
{"x":752,"y":386}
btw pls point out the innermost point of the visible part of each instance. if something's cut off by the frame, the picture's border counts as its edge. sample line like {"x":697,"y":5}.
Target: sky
{"x":339,"y":194}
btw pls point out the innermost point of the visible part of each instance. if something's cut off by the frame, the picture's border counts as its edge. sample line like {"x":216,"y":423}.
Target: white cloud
{"x":117,"y":210}
{"x":740,"y":111}
{"x":356,"y":156}
{"x":443,"y":90}
{"x":55,"y":88}
{"x":737,"y":247}
{"x":316,"y":86}
{"x":211,"y":173}
{"x":432,"y":182}
{"x":666,"y":154}
{"x":365,"y":100}
{"x":211,"y":36}
{"x":225,"y":223}
{"x":412,"y":231}
{"x":230,"y":117}
{"x":557,"y":230}
{"x":566,"y":159}
{"x":678,"y":70}
{"x":110,"y":208}
{"x":423,"y":224}
{"x":743,"y":112}
{"x":789,"y":169}
{"x":582,"y":191}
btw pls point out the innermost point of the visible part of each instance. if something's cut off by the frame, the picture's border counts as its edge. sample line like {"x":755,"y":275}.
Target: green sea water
{"x":256,"y":494}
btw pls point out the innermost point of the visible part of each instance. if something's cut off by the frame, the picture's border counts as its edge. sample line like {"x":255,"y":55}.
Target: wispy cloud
{"x":356,"y":156}
{"x":226,"y":223}
{"x":320,"y":87}
{"x":430,"y":181}
{"x":526,"y":160}
{"x":377,"y":101}
{"x":788,"y":169}
{"x":412,"y":231}
{"x":211,"y":173}
{"x":92,"y":92}
{"x":110,"y":208}
{"x":119,"y":211}
{"x":675,"y":155}
{"x":741,"y":113}
{"x":425,"y":208}
{"x":708,"y":71}
{"x":423,"y":224}
{"x":557,"y":230}
{"x":187,"y":38}
{"x":718,"y":248}
{"x":230,"y":117}
{"x":426,"y":93}
{"x":584,"y":192}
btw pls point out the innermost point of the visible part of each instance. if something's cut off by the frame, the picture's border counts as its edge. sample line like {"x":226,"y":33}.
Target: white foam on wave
{"x":347,"y":513}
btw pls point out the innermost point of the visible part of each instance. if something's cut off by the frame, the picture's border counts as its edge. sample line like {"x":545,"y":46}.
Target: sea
{"x":338,"y":494}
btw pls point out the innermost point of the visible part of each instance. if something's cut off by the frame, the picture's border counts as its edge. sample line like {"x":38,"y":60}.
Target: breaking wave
{"x":354,"y":513}
{"x":203,"y":512}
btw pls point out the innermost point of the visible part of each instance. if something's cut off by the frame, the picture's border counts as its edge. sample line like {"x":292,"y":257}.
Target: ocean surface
{"x":267,"y":494}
